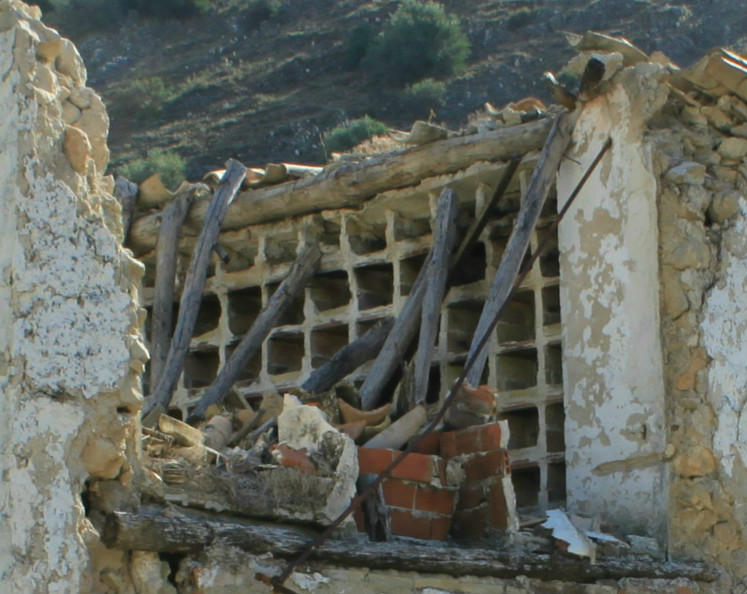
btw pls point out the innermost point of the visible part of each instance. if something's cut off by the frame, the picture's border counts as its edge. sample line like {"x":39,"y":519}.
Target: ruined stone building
{"x":616,"y":374}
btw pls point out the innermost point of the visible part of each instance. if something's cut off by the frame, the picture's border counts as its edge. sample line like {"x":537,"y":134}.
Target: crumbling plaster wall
{"x":70,"y":352}
{"x":653,"y":277}
{"x":700,"y":157}
{"x":612,"y":358}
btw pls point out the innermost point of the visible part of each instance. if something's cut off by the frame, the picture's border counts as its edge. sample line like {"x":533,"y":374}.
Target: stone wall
{"x":655,"y":393}
{"x":700,"y":156}
{"x":70,"y":352}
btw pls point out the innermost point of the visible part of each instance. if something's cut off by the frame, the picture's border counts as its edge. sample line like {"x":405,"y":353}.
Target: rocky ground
{"x":266,"y":91}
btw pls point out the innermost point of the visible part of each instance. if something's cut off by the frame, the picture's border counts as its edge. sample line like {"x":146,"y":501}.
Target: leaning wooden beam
{"x":126,"y":194}
{"x":444,"y":237}
{"x":300,"y":273}
{"x":175,"y":531}
{"x":397,"y":342}
{"x":349,"y":358}
{"x":194,"y":285}
{"x":473,"y":233}
{"x":167,"y":250}
{"x":352,"y":183}
{"x":539,"y":186}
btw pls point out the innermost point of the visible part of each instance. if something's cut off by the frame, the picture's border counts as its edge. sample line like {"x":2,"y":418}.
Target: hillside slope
{"x":261,"y":92}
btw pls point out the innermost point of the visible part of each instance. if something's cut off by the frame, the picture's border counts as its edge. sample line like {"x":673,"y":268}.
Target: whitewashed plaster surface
{"x":69,"y":347}
{"x":725,"y":338}
{"x":612,"y":358}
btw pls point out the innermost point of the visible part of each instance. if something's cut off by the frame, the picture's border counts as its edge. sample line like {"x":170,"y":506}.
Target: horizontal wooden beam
{"x":349,"y":184}
{"x":177,"y":530}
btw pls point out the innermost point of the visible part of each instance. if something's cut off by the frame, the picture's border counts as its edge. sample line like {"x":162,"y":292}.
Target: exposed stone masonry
{"x":70,"y":351}
{"x":700,"y":157}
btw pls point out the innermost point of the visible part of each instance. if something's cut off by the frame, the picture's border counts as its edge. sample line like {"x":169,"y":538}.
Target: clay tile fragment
{"x":290,"y":458}
{"x":373,"y":417}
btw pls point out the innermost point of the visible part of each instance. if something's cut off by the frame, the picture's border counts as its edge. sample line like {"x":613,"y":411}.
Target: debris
{"x":374,"y":417}
{"x":563,"y":530}
{"x":421,"y":133}
{"x":217,"y":432}
{"x":183,"y":433}
{"x":152,"y":193}
{"x":400,"y":431}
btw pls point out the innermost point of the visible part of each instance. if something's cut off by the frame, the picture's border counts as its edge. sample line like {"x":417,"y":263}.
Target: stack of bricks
{"x":476,"y":498}
{"x":420,"y":502}
{"x":486,"y":495}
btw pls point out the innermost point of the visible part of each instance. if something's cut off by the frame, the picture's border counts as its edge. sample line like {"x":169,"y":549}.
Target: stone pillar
{"x":70,"y":349}
{"x":612,"y":358}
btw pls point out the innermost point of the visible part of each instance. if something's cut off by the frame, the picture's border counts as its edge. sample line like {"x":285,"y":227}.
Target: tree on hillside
{"x":420,"y":40}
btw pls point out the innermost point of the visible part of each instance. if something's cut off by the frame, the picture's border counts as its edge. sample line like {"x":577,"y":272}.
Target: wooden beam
{"x":352,"y":183}
{"x":539,"y":186}
{"x":126,"y":194}
{"x":300,"y":273}
{"x":177,"y":530}
{"x":444,"y":237}
{"x":349,"y":358}
{"x":167,"y":249}
{"x":473,"y":233}
{"x":397,"y":342}
{"x":194,"y":284}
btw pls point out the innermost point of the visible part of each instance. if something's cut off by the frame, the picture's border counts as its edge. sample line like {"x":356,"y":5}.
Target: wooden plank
{"x":473,"y":233}
{"x":539,"y":186}
{"x":194,"y":285}
{"x":349,"y":358}
{"x":438,"y":271}
{"x":126,"y":194}
{"x":397,"y":342}
{"x":177,"y":530}
{"x":300,"y":273}
{"x":352,"y":183}
{"x":167,"y":249}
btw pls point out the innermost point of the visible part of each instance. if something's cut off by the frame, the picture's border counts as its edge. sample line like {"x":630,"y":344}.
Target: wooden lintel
{"x":351,"y":184}
{"x":177,"y":530}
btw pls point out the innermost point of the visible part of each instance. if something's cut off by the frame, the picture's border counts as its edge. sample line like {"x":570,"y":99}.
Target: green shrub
{"x":421,"y":98}
{"x":420,"y":40}
{"x":167,"y":8}
{"x":169,"y":164}
{"x":258,"y":11}
{"x":145,"y":98}
{"x":345,"y":137}
{"x":520,"y":18}
{"x":358,"y":43}
{"x":100,"y":15}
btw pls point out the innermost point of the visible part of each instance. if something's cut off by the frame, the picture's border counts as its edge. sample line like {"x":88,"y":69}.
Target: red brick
{"x":481,"y":399}
{"x":429,"y":445}
{"x":374,"y":460}
{"x":482,"y":466}
{"x":435,"y":499}
{"x":480,"y":438}
{"x":470,"y":523}
{"x":360,"y":521}
{"x":441,"y":467}
{"x":291,"y":458}
{"x":404,"y":523}
{"x":440,"y":526}
{"x":415,"y":467}
{"x":398,"y":493}
{"x":497,"y":506}
{"x":471,"y":495}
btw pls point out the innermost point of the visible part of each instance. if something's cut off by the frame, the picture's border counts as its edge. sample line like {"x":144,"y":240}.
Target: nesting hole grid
{"x":371,"y":258}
